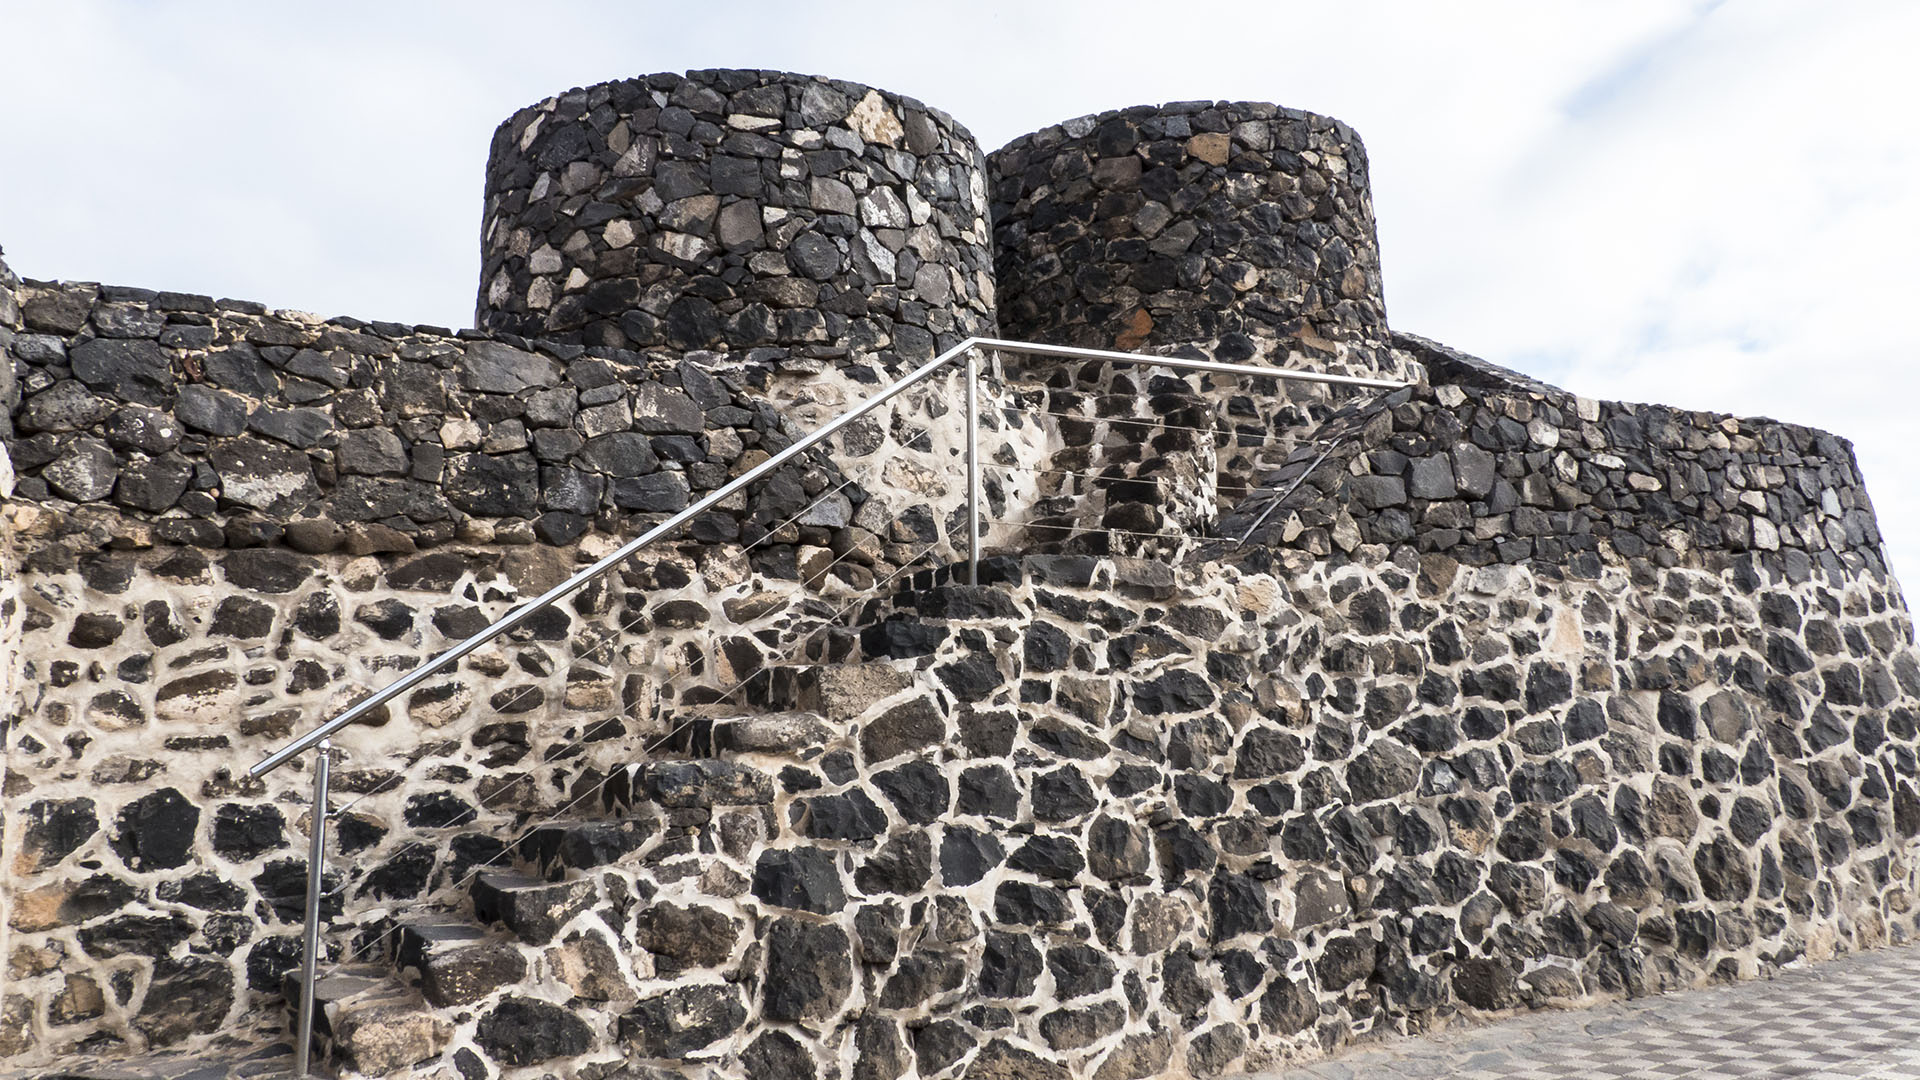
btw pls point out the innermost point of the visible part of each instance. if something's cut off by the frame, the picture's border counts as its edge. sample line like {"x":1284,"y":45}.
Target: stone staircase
{"x":540,"y":960}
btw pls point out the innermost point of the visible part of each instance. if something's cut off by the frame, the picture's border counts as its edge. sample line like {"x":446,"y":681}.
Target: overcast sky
{"x":1713,"y":205}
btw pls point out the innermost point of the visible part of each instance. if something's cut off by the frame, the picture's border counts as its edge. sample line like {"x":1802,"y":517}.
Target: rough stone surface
{"x":1510,"y":699}
{"x":738,"y":209}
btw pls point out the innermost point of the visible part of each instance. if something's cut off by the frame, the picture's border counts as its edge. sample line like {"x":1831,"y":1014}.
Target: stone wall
{"x":1238,"y":817}
{"x":182,"y":420}
{"x":738,"y":209}
{"x":155,"y":889}
{"x":1104,"y":818}
{"x":1238,"y":226}
{"x":236,"y":522}
{"x":1523,"y":475}
{"x":1490,"y":697}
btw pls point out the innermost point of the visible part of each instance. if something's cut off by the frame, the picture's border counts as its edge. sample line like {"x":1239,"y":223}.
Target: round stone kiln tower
{"x":735,"y":210}
{"x":1242,"y":227}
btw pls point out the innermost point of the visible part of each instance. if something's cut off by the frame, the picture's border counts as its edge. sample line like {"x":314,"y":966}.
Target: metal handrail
{"x":627,"y":550}
{"x":321,"y":735}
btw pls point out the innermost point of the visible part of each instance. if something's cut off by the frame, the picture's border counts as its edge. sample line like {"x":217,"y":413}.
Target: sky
{"x":1714,"y":205}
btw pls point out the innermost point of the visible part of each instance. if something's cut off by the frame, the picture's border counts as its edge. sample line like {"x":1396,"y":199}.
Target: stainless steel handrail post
{"x":316,"y":874}
{"x":973,"y":467}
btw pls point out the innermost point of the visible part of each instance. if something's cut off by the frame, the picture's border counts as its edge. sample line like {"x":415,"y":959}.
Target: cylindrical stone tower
{"x":1240,"y":227}
{"x":735,"y":210}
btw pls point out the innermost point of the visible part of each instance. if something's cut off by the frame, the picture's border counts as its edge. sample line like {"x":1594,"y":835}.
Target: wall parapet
{"x":167,"y":418}
{"x":1512,"y":475}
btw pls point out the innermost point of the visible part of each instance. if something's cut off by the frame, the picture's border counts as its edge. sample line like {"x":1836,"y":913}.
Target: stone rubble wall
{"x":1239,"y":227}
{"x":234,"y":523}
{"x":1511,"y":476}
{"x":1510,"y":698}
{"x":1102,"y":818}
{"x":818,"y":219}
{"x":155,"y":890}
{"x":177,"y":419}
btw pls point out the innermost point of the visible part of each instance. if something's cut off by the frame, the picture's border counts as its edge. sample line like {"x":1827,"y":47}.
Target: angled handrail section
{"x":966,"y":348}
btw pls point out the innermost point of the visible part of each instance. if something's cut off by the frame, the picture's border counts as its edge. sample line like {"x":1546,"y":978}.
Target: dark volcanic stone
{"x":1288,"y":1006}
{"x":506,"y":485}
{"x":95,"y":630}
{"x":1002,"y":1061}
{"x":1021,"y":903}
{"x":988,"y":790}
{"x":902,"y":865}
{"x":1384,"y":770}
{"x":465,"y":975}
{"x":912,"y":725}
{"x":134,"y":370}
{"x":1238,"y":905}
{"x":809,"y":970}
{"x":185,"y":996}
{"x":243,"y":831}
{"x":1055,"y":857}
{"x":1177,"y":691}
{"x":776,"y":1055}
{"x":266,"y":570}
{"x":939,"y":1045}
{"x":691,"y":936}
{"x":1062,"y":795}
{"x":55,"y":828}
{"x":918,"y":791}
{"x":966,"y":855}
{"x":1079,"y":970}
{"x":1010,"y":966}
{"x":1486,"y":983}
{"x":156,"y":832}
{"x":804,"y":879}
{"x":682,"y":1021}
{"x":524,"y":1031}
{"x":1117,"y":850}
{"x":880,"y":1053}
{"x":850,"y":816}
{"x":1548,"y":685}
{"x":1725,"y":873}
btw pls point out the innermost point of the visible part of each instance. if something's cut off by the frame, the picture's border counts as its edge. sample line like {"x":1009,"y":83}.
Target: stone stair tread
{"x":556,"y":847}
{"x":207,"y":1063}
{"x":463,"y":974}
{"x":532,"y":907}
{"x":384,"y":1031}
{"x":416,"y":938}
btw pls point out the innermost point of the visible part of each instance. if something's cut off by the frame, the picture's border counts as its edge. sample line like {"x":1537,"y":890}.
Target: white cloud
{"x":1705,"y":204}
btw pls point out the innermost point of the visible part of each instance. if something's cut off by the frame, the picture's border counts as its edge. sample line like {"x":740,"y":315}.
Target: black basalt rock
{"x":804,"y":879}
{"x":524,"y":1031}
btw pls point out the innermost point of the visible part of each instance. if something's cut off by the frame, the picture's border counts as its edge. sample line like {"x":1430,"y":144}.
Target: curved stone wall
{"x":1528,"y":474}
{"x":737,"y":209}
{"x":1239,"y":225}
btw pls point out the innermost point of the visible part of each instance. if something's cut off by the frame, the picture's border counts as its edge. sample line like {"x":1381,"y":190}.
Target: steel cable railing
{"x":319,"y":737}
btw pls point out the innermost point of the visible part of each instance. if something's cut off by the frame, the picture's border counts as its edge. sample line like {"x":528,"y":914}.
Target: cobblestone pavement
{"x":1857,"y":1017}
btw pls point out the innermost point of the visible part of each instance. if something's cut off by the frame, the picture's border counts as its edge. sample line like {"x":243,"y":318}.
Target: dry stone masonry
{"x":1278,"y":719}
{"x":814,"y":217}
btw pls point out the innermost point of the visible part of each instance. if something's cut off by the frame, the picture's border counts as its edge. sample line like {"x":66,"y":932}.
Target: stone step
{"x":688,"y":783}
{"x":710,"y":730}
{"x":463,"y":974}
{"x":415,"y":938}
{"x":555,"y":849}
{"x":369,"y":1021}
{"x":274,"y":1060}
{"x":533,"y":908}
